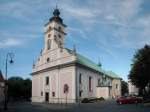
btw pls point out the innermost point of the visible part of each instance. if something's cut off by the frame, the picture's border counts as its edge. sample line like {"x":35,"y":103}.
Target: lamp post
{"x":8,"y":56}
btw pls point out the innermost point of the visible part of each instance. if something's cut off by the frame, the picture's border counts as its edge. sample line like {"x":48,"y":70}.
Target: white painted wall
{"x":57,"y":79}
{"x":86,"y":73}
{"x":103,"y":92}
{"x":132,"y":89}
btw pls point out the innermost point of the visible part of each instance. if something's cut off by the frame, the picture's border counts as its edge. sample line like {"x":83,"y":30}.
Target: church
{"x":61,"y":74}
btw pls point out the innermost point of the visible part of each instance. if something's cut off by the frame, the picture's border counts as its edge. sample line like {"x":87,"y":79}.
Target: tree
{"x":27,"y":86}
{"x":140,"y":69}
{"x":18,"y":88}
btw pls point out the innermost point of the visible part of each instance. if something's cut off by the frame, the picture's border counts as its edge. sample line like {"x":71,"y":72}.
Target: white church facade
{"x":61,"y":73}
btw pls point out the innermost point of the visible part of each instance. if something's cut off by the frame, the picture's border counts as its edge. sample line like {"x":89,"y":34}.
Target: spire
{"x":74,"y":49}
{"x":56,"y":16}
{"x":56,"y":12}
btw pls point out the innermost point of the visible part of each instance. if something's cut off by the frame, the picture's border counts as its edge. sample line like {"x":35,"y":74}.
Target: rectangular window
{"x":90,"y":84}
{"x":80,"y":78}
{"x":47,"y":80}
{"x":116,"y":86}
{"x":98,"y":82}
{"x":41,"y":93}
{"x":53,"y":94}
{"x":80,"y":93}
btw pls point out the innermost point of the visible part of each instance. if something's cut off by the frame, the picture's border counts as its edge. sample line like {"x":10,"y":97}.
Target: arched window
{"x":48,"y":60}
{"x":49,"y":35}
{"x":48,"y":44}
{"x":50,"y":28}
{"x":59,"y":36}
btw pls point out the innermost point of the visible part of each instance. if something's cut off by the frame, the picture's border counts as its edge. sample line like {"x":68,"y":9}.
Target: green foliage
{"x":140,"y":71}
{"x":19,"y":88}
{"x":85,"y":100}
{"x":100,"y":99}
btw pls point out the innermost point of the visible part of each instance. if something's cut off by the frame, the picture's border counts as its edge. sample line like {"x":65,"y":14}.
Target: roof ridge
{"x":91,"y":64}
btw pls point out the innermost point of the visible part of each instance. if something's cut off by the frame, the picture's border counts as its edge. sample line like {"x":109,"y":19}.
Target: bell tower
{"x":55,"y":32}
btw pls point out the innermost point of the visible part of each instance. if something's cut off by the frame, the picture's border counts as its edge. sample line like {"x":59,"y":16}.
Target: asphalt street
{"x":104,"y":106}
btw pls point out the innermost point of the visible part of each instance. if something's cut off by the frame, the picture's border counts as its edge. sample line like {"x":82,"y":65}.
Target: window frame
{"x":90,"y":84}
{"x":48,"y":44}
{"x":98,"y":82}
{"x":80,"y":78}
{"x":116,"y":86}
{"x":47,"y":81}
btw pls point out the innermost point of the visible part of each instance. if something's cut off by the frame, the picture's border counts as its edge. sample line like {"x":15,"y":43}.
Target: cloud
{"x":122,"y":17}
{"x":78,"y":31}
{"x":10,"y":42}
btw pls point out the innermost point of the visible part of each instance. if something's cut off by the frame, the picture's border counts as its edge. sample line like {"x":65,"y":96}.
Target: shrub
{"x":85,"y":100}
{"x":101,"y":99}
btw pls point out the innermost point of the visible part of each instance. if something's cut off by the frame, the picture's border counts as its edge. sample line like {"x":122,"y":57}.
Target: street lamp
{"x":8,"y":56}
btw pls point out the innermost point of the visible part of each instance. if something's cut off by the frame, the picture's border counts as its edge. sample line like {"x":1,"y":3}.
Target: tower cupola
{"x":56,"y":16}
{"x":55,"y":32}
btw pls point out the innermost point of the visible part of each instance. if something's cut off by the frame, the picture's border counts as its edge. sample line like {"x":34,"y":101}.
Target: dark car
{"x":129,"y":100}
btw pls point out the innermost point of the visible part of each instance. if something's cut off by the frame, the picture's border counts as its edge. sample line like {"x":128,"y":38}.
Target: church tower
{"x":55,"y":32}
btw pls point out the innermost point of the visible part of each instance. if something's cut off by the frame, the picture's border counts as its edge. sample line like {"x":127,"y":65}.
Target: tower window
{"x":59,"y":28}
{"x":48,"y":44}
{"x":59,"y":36}
{"x":49,"y":35}
{"x":50,"y":28}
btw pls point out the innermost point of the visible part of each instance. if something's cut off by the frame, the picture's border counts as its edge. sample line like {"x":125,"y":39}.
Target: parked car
{"x":146,"y":102}
{"x":129,"y":100}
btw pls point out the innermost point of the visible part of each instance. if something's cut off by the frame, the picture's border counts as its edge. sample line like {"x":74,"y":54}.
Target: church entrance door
{"x":46,"y":97}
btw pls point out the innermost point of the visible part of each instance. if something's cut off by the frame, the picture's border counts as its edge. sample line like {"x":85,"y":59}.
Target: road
{"x":104,"y":106}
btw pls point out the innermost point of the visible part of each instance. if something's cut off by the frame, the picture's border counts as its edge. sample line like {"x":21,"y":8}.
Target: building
{"x":61,"y":74}
{"x":133,"y":90}
{"x":1,"y":87}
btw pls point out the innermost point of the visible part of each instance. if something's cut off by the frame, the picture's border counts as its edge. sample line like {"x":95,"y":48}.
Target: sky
{"x":109,"y":31}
